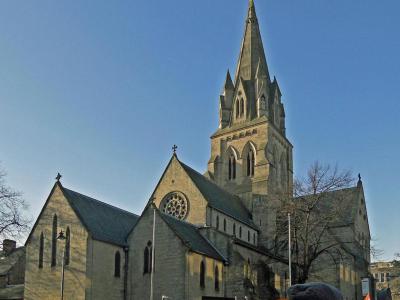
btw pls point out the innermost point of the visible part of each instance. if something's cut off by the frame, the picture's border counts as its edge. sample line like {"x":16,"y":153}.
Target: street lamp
{"x":61,"y":237}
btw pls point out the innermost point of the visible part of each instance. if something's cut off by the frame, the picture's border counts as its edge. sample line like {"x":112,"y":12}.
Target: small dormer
{"x":240,"y":104}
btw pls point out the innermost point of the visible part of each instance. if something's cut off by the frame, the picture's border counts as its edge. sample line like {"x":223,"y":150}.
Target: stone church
{"x":200,"y":236}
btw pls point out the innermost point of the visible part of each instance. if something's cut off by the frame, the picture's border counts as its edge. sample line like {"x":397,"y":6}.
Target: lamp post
{"x":61,"y":237}
{"x":290,"y":250}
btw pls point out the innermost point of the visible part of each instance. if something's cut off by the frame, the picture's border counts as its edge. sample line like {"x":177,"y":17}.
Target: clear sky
{"x":101,"y":90}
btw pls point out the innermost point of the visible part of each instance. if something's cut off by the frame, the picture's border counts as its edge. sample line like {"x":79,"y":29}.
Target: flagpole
{"x":152,"y":255}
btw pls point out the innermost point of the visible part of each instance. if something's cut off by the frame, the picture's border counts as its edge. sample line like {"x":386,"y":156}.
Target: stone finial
{"x":359,"y":183}
{"x":174,"y":148}
{"x":58,"y":177}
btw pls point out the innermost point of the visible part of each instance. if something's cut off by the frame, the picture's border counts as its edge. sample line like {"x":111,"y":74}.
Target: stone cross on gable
{"x":174,"y":148}
{"x":58,"y":177}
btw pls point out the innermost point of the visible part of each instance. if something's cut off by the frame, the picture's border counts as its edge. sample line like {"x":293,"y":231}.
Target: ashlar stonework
{"x":200,"y":236}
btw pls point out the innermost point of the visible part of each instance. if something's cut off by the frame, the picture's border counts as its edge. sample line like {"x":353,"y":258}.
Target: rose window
{"x":176,"y":205}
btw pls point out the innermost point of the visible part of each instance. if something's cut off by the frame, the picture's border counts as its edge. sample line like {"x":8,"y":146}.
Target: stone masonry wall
{"x":45,"y":283}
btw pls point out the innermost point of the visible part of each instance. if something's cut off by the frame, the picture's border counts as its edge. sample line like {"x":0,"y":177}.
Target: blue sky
{"x":101,"y":90}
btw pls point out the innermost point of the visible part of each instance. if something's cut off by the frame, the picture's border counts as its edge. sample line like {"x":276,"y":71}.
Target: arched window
{"x":232,"y":167}
{"x":283,"y":170}
{"x":254,"y":238}
{"x":148,"y":258}
{"x":237,"y":109}
{"x":234,"y":229}
{"x":67,"y":246}
{"x":117,"y":265}
{"x":202,"y":275}
{"x":217,"y":222}
{"x":250,"y":163}
{"x":224,"y":225}
{"x":248,"y":236}
{"x":41,"y":246}
{"x":240,"y":231}
{"x":54,"y":242}
{"x":248,"y":268}
{"x":241,"y":107}
{"x":216,"y":278}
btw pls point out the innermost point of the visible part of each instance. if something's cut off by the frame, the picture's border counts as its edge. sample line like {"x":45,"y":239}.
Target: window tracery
{"x":176,"y":205}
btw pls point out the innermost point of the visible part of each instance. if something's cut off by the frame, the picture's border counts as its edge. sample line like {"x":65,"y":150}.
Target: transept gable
{"x":55,"y":195}
{"x":361,"y":214}
{"x":177,"y":194}
{"x":102,"y":221}
{"x":200,"y":192}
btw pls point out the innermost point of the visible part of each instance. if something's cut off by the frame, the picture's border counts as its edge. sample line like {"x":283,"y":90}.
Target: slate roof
{"x":9,"y":261}
{"x":191,"y":237}
{"x":220,"y":199}
{"x":344,"y":201}
{"x":12,"y":292}
{"x":103,"y":221}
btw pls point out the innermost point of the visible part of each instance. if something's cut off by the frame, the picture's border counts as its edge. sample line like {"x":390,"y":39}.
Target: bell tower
{"x":250,"y":154}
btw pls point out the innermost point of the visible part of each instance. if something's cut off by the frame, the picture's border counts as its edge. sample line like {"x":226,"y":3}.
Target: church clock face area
{"x":175,"y":204}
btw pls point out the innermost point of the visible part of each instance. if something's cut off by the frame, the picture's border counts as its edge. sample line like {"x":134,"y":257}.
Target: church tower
{"x":250,"y":154}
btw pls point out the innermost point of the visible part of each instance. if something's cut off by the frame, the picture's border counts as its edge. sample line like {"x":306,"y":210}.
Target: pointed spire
{"x":252,"y":10}
{"x":252,"y":50}
{"x":228,"y":82}
{"x":359,"y":182}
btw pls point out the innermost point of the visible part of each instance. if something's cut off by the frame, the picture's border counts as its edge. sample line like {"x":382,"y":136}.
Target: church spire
{"x":252,"y":51}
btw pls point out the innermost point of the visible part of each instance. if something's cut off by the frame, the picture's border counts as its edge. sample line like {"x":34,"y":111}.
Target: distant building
{"x":12,"y":271}
{"x":208,"y":234}
{"x":387,"y":275}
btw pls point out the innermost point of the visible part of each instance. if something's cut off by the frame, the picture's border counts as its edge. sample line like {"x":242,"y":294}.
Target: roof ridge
{"x":351,"y":188}
{"x":175,"y":219}
{"x":101,"y":202}
{"x":235,"y":201}
{"x":212,"y":245}
{"x":196,"y":228}
{"x":208,"y":180}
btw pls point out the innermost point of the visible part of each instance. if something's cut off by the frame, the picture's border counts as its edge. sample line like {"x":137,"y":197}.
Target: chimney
{"x":9,"y":246}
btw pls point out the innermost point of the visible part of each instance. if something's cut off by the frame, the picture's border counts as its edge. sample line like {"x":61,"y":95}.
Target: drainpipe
{"x":126,"y":267}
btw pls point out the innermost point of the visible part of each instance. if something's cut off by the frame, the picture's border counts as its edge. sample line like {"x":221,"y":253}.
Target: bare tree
{"x":376,"y":252}
{"x":13,"y":220}
{"x":315,"y":215}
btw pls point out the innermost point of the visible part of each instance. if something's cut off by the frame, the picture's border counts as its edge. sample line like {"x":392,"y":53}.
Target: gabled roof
{"x":12,"y":292}
{"x":191,"y":237}
{"x":344,"y":201}
{"x":103,"y":221}
{"x":220,"y":199}
{"x":8,"y":261}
